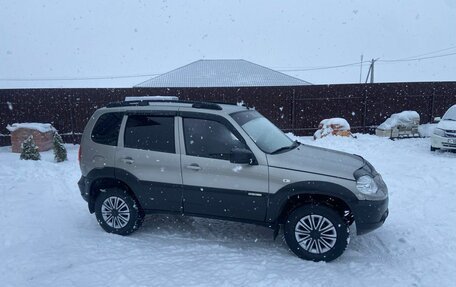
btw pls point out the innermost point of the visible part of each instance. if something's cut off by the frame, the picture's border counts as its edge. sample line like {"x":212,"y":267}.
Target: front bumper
{"x":443,"y":142}
{"x":370,"y":214}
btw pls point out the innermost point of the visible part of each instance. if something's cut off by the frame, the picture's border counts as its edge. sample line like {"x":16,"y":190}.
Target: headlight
{"x":366,"y":185}
{"x":439,"y":132}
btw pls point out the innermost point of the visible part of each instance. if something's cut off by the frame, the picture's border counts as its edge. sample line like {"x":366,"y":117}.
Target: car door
{"x":149,"y":157}
{"x":213,"y":185}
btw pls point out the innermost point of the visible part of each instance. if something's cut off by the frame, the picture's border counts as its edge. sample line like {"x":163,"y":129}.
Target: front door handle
{"x":194,"y":167}
{"x":128,"y":160}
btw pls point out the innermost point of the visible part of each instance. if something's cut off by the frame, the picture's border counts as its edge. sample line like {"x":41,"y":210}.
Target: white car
{"x":444,"y":136}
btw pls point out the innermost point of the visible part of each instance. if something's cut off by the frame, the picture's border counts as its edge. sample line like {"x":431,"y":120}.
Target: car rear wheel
{"x":316,"y":232}
{"x":117,"y":212}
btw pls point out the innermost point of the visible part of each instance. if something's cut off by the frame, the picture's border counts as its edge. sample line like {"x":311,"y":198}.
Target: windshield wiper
{"x":290,"y":147}
{"x":449,"y":120}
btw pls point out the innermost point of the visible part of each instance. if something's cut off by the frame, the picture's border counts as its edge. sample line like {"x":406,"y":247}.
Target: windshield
{"x":450,"y":115}
{"x":265,"y":134}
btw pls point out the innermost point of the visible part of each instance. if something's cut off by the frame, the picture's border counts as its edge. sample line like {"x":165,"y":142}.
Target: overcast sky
{"x":90,"y":39}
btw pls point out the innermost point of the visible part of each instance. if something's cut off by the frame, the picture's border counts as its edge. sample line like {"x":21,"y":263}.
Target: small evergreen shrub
{"x":60,"y":152}
{"x":30,"y":150}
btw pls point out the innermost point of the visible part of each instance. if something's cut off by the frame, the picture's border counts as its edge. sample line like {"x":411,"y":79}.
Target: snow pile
{"x":405,"y":118}
{"x":426,"y":130}
{"x":42,"y":128}
{"x":332,"y":126}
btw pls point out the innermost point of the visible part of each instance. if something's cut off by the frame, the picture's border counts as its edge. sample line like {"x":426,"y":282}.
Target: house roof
{"x":222,"y":73}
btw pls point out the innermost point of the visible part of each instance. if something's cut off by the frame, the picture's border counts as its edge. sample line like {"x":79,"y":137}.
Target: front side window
{"x":106,"y":130}
{"x":265,"y":134}
{"x":207,"y":138}
{"x":154,"y":133}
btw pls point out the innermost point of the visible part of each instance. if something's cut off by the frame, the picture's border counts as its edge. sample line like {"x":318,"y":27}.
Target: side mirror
{"x":242,"y":156}
{"x":437,"y":119}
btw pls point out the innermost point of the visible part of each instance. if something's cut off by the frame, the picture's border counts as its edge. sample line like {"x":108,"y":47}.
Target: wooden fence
{"x":297,"y":109}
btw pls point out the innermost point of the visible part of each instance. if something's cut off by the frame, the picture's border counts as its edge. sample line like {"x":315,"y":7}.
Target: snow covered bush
{"x":60,"y":152}
{"x":30,"y":150}
{"x":333,"y":126}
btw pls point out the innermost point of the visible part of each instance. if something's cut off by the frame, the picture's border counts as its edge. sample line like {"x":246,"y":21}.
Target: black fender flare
{"x":278,"y":200}
{"x":112,"y":174}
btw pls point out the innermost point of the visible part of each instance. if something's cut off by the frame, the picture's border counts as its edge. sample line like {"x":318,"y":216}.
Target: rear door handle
{"x":194,"y":167}
{"x":128,"y":160}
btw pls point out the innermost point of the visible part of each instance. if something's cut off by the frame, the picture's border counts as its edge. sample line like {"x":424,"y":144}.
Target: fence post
{"x":432,"y":106}
{"x":293,"y":111}
{"x":365,"y":111}
{"x":71,"y":119}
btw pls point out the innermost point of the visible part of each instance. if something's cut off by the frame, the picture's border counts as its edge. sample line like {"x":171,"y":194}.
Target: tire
{"x":323,"y":240}
{"x":117,"y":212}
{"x":434,"y":148}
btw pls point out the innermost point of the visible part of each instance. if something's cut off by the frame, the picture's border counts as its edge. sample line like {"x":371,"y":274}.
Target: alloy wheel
{"x":115,"y":212}
{"x":315,"y":234}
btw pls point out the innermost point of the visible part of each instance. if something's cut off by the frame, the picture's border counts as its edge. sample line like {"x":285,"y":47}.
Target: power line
{"x":322,"y":68}
{"x":411,"y":58}
{"x":77,"y":79}
{"x":297,"y":69}
{"x":417,"y":59}
{"x":151,"y":75}
{"x":366,"y":62}
{"x":429,"y":53}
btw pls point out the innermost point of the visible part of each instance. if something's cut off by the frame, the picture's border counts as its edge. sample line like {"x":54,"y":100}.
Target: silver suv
{"x":227,"y":162}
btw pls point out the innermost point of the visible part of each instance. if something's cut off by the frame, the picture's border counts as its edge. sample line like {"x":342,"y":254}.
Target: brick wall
{"x":42,"y":140}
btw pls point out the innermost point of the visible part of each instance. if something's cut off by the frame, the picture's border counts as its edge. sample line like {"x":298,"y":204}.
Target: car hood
{"x":447,"y":125}
{"x":319,"y":160}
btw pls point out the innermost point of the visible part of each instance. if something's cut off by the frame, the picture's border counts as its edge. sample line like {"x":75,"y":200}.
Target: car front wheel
{"x":316,"y":232}
{"x":117,"y":212}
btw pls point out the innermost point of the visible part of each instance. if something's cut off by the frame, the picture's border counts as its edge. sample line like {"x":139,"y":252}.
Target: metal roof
{"x":222,"y":73}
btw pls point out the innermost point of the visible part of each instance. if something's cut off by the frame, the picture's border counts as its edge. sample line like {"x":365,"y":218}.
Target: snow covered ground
{"x":48,"y":238}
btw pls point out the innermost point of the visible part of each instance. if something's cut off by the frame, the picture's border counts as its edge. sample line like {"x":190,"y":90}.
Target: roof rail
{"x":152,"y":98}
{"x":142,"y":103}
{"x":195,"y":104}
{"x":206,"y":105}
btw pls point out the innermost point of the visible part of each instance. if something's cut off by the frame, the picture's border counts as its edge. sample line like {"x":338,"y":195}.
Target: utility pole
{"x":372,"y":71}
{"x":361,"y":69}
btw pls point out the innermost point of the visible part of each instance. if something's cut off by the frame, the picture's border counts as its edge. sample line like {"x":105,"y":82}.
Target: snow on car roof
{"x":450,"y":114}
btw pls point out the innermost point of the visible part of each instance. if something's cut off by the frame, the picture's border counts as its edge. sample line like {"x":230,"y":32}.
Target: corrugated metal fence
{"x":297,"y":109}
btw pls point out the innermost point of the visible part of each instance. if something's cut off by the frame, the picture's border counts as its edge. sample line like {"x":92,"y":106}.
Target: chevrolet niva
{"x":228,"y":162}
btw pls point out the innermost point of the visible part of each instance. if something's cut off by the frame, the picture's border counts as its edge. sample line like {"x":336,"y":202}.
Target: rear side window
{"x":106,"y":130}
{"x":153,"y":133}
